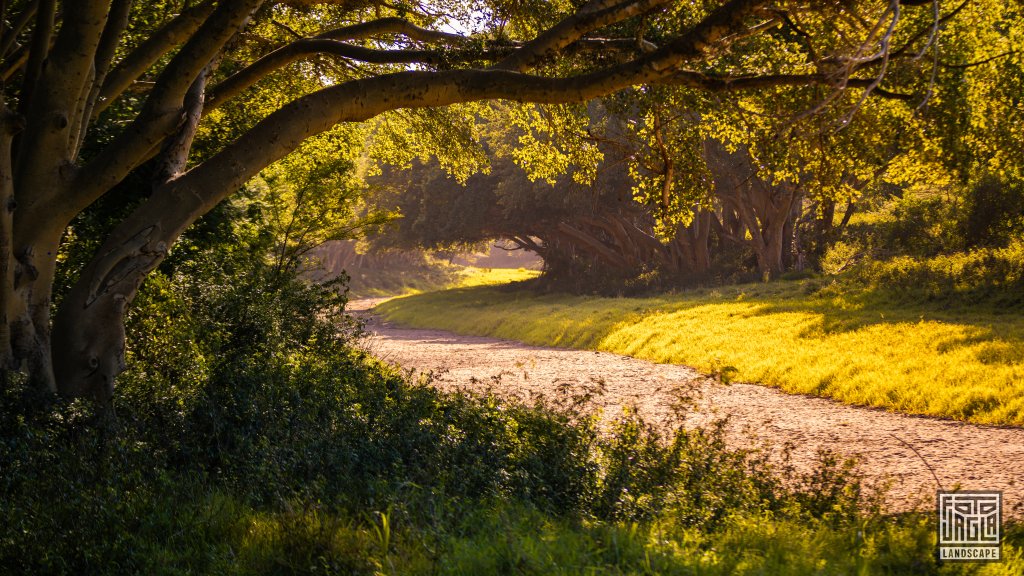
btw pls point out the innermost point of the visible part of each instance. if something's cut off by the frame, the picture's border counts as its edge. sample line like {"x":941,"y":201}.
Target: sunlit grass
{"x":965,"y":363}
{"x":471,"y":276}
{"x":436,"y":276}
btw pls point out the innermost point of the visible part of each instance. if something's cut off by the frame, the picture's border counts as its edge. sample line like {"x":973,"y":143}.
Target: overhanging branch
{"x":591,"y":17}
{"x":299,"y":49}
{"x":393,"y":26}
{"x":716,"y":83}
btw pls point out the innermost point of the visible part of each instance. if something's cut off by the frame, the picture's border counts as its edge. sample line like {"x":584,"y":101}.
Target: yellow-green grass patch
{"x":966,"y":364}
{"x":471,"y":276}
{"x":431,"y":277}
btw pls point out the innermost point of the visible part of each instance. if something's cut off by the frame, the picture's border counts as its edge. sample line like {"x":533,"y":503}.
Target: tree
{"x":95,"y":89}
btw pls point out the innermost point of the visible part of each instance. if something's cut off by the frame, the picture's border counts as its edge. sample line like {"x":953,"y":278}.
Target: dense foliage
{"x":758,"y":182}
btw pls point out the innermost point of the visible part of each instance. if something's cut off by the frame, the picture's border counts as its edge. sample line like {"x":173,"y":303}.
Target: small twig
{"x":884,"y":50}
{"x":287,"y":29}
{"x":926,"y":464}
{"x":979,"y":62}
{"x":933,"y":35}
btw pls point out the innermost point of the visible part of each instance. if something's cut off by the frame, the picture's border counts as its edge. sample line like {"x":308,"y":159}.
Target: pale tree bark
{"x":594,"y":15}
{"x":169,"y":36}
{"x":43,"y":164}
{"x":691,"y":243}
{"x":10,"y":124}
{"x":89,"y":337}
{"x":50,"y":188}
{"x":764,"y":211}
{"x":35,"y":54}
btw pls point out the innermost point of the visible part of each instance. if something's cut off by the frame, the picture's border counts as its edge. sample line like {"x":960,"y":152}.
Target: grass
{"x":436,"y":275}
{"x":471,"y":276}
{"x":504,"y":539}
{"x":807,"y":337}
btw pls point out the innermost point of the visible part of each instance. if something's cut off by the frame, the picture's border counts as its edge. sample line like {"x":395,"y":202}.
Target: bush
{"x":994,"y":212}
{"x":839,"y":256}
{"x":986,"y":214}
{"x":988,"y":275}
{"x":920,"y":227}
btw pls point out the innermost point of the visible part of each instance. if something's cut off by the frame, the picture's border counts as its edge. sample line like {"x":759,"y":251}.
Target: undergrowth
{"x":252,"y":437}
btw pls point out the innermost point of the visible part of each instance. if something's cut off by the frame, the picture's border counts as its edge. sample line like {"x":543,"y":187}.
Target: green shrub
{"x":993,"y":212}
{"x":919,"y":227}
{"x":839,"y":256}
{"x":986,"y":275}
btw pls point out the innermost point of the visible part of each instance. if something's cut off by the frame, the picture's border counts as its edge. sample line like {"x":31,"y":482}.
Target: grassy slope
{"x":857,"y":348}
{"x":472,"y":276}
{"x":378,"y":283}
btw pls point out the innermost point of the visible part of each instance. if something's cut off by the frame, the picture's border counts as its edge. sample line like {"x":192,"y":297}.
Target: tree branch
{"x":902,"y":50}
{"x":392,"y":26}
{"x":17,"y":60}
{"x":716,"y":83}
{"x":140,"y":242}
{"x":117,"y":21}
{"x":362,"y":99}
{"x":299,"y":49}
{"x":39,"y":46}
{"x":175,"y":153}
{"x":979,"y":62}
{"x":593,"y":16}
{"x":163,"y":111}
{"x":593,"y":245}
{"x":22,"y":20}
{"x":138,"y":62}
{"x":250,"y":75}
{"x":55,"y":94}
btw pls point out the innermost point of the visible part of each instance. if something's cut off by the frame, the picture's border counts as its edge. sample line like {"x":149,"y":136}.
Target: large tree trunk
{"x":89,"y":338}
{"x":8,"y":128}
{"x":31,"y":240}
{"x":764,"y":212}
{"x":773,"y":224}
{"x":769,"y":255}
{"x":788,"y":232}
{"x":34,"y":278}
{"x":89,"y":335}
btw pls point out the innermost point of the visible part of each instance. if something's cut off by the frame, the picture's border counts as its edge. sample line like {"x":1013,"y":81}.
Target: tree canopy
{"x":184,"y":102}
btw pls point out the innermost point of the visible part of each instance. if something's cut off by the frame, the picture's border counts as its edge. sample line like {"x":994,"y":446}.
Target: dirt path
{"x":890,"y":446}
